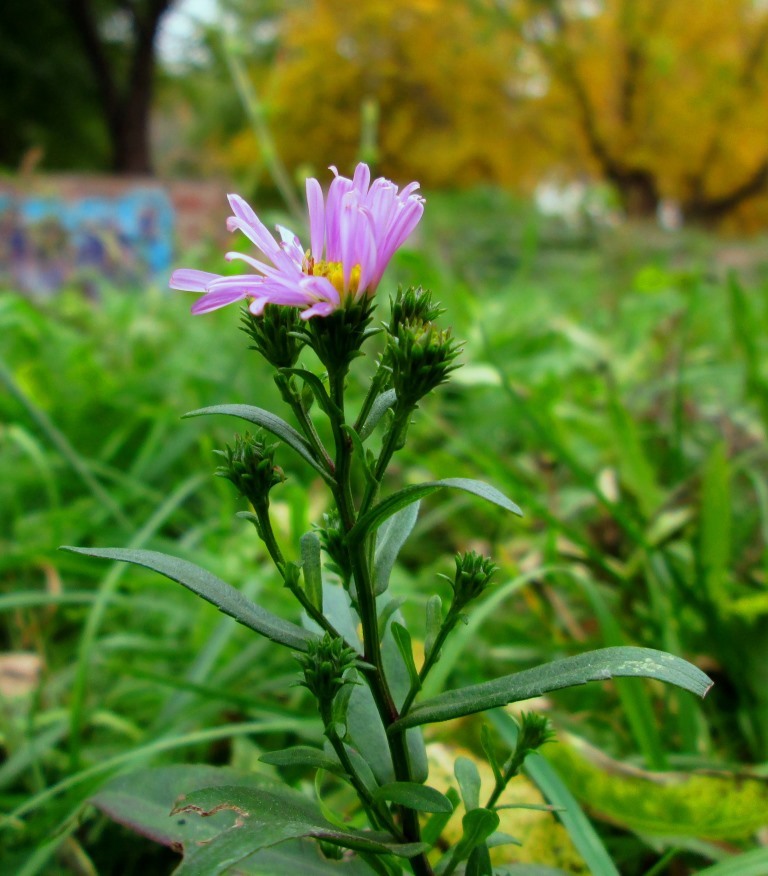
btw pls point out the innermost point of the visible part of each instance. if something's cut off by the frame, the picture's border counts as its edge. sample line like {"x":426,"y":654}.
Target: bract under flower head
{"x":354,"y":232}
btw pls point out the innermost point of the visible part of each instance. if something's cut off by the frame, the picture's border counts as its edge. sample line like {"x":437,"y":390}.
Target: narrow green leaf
{"x":392,"y":504}
{"x":403,"y":641}
{"x":277,"y":426}
{"x":310,"y":566}
{"x":386,"y":614}
{"x":528,"y":870}
{"x":499,"y":838}
{"x":715,"y":526}
{"x":490,"y":754}
{"x":360,"y":453}
{"x":753,"y":863}
{"x":434,"y":622}
{"x":636,"y":470}
{"x":317,"y":387}
{"x":599,"y":665}
{"x":392,"y":535}
{"x":263,"y":817}
{"x":299,"y":856}
{"x":380,"y":406}
{"x":433,"y":829}
{"x":399,"y":678}
{"x":468,"y":777}
{"x":225,"y":597}
{"x":479,"y":862}
{"x":477,"y":826}
{"x":303,"y":756}
{"x":414,"y":796}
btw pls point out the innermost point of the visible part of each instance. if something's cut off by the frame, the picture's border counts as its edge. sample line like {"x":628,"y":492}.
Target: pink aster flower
{"x":353,"y":233}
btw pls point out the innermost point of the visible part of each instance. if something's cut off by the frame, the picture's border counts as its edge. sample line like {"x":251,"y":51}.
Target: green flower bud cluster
{"x":414,"y":305}
{"x":419,"y":354}
{"x":332,"y":539}
{"x":324,"y":665}
{"x":535,"y":731}
{"x":274,"y":334}
{"x":250,"y":465}
{"x":473,"y":574}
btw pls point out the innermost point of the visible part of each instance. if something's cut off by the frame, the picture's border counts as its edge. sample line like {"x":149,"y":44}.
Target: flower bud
{"x":324,"y":665}
{"x":473,"y":574}
{"x":414,"y":306}
{"x":421,"y":358}
{"x":250,"y":465}
{"x":332,"y":540}
{"x":535,"y":731}
{"x":273,"y":334}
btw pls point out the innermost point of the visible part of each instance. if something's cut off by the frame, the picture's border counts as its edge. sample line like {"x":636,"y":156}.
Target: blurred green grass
{"x":614,"y":386}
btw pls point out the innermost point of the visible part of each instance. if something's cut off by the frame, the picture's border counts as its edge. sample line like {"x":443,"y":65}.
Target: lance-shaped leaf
{"x":303,"y":756}
{"x":414,"y":796}
{"x":391,"y":538}
{"x":597,"y":665}
{"x":468,"y":777}
{"x":225,"y":597}
{"x":311,"y":567}
{"x":265,"y":817}
{"x":392,"y":504}
{"x":277,"y":426}
{"x":318,"y":389}
{"x":477,"y":826}
{"x":383,"y":403}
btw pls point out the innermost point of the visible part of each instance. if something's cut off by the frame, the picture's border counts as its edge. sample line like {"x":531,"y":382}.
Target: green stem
{"x":429,"y":661}
{"x":373,"y":810}
{"x":366,"y":606}
{"x":377,"y":385}
{"x":292,"y":397}
{"x":267,"y":535}
{"x":509,"y":773}
{"x":393,"y":441}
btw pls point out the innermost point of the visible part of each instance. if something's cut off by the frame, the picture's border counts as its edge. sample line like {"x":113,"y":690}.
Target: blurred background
{"x":596,"y":177}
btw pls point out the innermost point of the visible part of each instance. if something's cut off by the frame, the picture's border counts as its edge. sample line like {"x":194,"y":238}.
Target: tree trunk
{"x":126,"y":105}
{"x":638,"y":192}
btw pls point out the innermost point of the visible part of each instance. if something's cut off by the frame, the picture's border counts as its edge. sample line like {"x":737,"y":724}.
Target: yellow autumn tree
{"x":434,"y":75}
{"x":662,"y":98}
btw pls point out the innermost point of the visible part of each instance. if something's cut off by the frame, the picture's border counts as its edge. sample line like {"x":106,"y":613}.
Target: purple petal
{"x":333,"y":209}
{"x":190,"y":280}
{"x":291,"y":245}
{"x":257,"y":306}
{"x":255,"y":230}
{"x":320,"y":289}
{"x":366,"y":255}
{"x":362,"y":178}
{"x":215,"y":300}
{"x":397,"y":233}
{"x":316,"y":208}
{"x":322,"y":308}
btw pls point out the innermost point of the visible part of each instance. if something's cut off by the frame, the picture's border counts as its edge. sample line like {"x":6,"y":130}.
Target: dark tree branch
{"x":715,"y":208}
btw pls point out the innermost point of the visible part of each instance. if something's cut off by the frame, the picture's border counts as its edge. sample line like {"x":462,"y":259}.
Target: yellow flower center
{"x":333,"y":271}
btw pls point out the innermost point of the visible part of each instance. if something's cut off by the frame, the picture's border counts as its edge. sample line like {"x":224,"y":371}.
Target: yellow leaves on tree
{"x":660,"y":98}
{"x":436,"y":73}
{"x":663,"y":98}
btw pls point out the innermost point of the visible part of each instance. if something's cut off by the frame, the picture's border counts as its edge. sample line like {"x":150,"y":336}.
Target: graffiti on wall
{"x":49,"y":241}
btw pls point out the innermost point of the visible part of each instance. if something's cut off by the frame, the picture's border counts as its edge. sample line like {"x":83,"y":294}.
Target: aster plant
{"x":355,"y":653}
